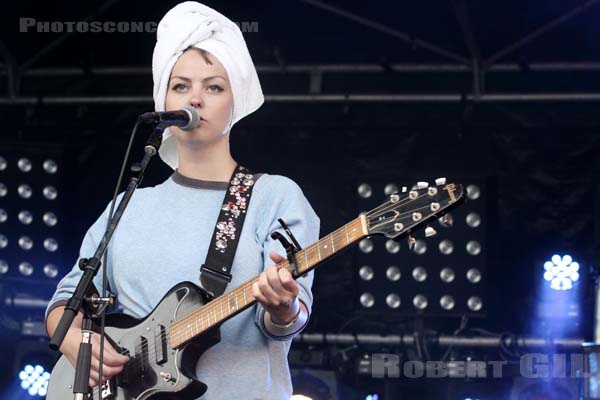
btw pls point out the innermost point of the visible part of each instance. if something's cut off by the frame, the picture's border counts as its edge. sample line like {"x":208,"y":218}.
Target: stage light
{"x":474,"y":303}
{"x":561,"y":272}
{"x":24,"y":191}
{"x":34,"y":380}
{"x":420,"y":247}
{"x":392,"y":246}
{"x":393,"y":300}
{"x":3,"y":190}
{"x":25,"y":217}
{"x":25,"y":243}
{"x":420,"y":302}
{"x":50,"y":270}
{"x":447,"y":302}
{"x":50,"y":192}
{"x":367,"y":300}
{"x":3,"y":241}
{"x":473,"y":192}
{"x":419,"y":274}
{"x":3,"y":267}
{"x":50,"y":166}
{"x":3,"y":215}
{"x":50,"y":244}
{"x":364,"y":190}
{"x":25,"y":268}
{"x":366,"y":245}
{"x":473,"y":247}
{"x":372,"y":397}
{"x":473,"y":275}
{"x":24,"y":164}
{"x":3,"y":163}
{"x":446,"y":247}
{"x":391,"y":188}
{"x":50,"y":218}
{"x":473,"y":220}
{"x":300,"y":397}
{"x":393,"y":273}
{"x":366,"y":273}
{"x":447,"y":275}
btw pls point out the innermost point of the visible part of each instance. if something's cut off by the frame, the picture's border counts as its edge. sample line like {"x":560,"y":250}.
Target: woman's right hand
{"x":113,"y":362}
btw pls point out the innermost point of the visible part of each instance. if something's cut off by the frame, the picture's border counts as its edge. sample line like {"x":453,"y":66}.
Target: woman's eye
{"x":215,"y":88}
{"x":179,"y":87}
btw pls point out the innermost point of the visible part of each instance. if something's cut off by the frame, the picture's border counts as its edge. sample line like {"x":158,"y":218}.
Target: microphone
{"x":187,"y":118}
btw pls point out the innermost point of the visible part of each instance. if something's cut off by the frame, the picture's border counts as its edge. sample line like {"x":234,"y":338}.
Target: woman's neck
{"x":207,"y":163}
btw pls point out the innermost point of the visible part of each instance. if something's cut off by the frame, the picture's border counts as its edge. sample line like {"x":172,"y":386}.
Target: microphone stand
{"x":85,"y":297}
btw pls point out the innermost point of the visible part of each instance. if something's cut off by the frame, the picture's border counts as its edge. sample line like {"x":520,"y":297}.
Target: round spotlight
{"x":364,"y":190}
{"x":24,"y":191}
{"x":473,"y":192}
{"x":473,"y":220}
{"x":34,"y":380}
{"x":393,"y":273}
{"x":25,"y":217}
{"x":473,"y":247}
{"x":391,"y":188}
{"x":50,"y":166}
{"x":3,"y":241}
{"x":50,"y":192}
{"x":3,"y":267}
{"x":24,"y":164}
{"x":561,"y":272}
{"x":447,"y":302}
{"x":50,"y":218}
{"x":419,"y":274}
{"x":3,"y":215}
{"x":25,"y":268}
{"x":392,"y":246}
{"x":420,"y":302}
{"x":367,"y":300}
{"x":366,"y":273}
{"x":50,"y":270}
{"x":3,"y":163}
{"x":447,"y":275}
{"x":446,"y":247}
{"x":25,"y":243}
{"x":474,"y":303}
{"x":420,"y":247}
{"x":366,"y":245}
{"x":3,"y":190}
{"x":474,"y":275}
{"x":50,"y":244}
{"x":393,"y":300}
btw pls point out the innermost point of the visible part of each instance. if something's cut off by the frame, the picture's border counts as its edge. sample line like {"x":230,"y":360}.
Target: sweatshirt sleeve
{"x":287,"y":201}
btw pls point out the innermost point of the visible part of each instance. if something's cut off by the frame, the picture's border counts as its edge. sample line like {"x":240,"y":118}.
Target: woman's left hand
{"x":277,"y":291}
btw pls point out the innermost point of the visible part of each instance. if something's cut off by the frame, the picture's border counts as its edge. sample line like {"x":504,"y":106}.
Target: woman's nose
{"x":196,"y":100}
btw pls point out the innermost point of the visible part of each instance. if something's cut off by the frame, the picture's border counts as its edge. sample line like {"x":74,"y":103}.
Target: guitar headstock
{"x":405,"y":211}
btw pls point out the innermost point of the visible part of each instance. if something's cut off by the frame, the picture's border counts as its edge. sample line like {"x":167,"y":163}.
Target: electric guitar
{"x":165,"y":346}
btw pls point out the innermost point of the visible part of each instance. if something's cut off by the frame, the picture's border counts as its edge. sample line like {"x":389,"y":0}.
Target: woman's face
{"x":200,"y":80}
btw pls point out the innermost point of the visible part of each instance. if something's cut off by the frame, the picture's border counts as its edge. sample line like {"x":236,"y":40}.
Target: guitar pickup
{"x":141,"y":354}
{"x":160,"y":344}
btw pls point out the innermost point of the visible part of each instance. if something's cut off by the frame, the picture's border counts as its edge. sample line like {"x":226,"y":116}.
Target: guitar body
{"x":155,"y":370}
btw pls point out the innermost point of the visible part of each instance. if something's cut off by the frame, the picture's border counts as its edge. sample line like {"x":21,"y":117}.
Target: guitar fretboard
{"x":240,"y":298}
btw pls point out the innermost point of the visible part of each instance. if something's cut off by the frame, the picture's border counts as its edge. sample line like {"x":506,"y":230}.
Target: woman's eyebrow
{"x":203,"y":80}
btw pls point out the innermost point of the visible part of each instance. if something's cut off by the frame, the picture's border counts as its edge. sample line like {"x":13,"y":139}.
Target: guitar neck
{"x":240,"y":298}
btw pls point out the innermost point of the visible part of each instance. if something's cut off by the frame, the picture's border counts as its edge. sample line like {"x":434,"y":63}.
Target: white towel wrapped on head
{"x":196,"y":25}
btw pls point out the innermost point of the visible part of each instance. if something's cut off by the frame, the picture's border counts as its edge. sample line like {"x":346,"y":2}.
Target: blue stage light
{"x":34,"y":380}
{"x":372,"y":397}
{"x":561,"y":272}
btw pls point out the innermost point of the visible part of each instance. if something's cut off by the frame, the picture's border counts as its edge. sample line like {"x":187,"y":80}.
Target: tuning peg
{"x":440,"y":181}
{"x":411,"y":242}
{"x":404,"y":189}
{"x":422,"y":185}
{"x":446,"y":220}
{"x":429,"y":232}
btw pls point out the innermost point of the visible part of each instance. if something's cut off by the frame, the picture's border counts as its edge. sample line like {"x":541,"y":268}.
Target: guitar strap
{"x":215,"y":272}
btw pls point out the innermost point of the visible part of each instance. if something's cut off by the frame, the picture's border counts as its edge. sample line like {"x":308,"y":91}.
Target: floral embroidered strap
{"x":214,"y":273}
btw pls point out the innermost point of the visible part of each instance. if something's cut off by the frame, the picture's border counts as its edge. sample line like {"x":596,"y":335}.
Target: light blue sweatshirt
{"x":162,"y":240}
